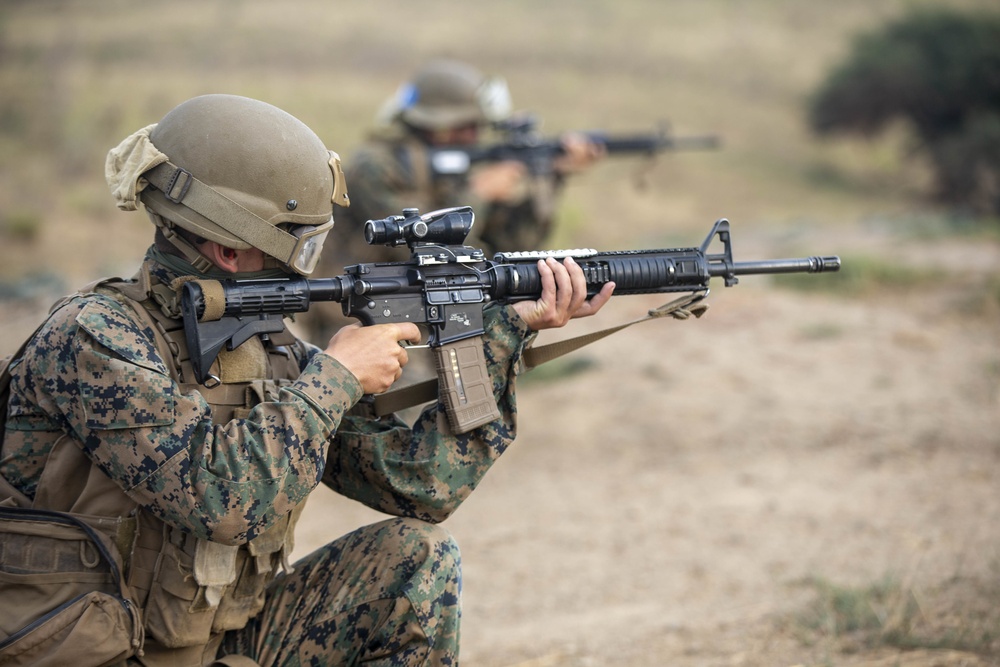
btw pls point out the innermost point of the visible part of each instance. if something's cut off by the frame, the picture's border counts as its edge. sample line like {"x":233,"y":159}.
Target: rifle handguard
{"x":466,"y":390}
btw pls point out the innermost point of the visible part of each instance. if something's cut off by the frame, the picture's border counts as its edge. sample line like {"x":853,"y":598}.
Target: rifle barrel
{"x":800,"y":265}
{"x":652,"y":143}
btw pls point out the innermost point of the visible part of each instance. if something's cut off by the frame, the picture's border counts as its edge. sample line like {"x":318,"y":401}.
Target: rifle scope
{"x":445,"y":227}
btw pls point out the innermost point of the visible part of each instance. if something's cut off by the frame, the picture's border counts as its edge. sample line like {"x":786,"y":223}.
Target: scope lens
{"x":375,"y":232}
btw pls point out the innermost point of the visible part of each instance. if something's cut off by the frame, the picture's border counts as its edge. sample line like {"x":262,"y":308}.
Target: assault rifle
{"x":523,"y":143}
{"x":444,"y":287}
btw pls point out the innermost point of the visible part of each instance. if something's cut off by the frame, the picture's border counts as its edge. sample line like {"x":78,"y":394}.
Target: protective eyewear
{"x":309,"y":241}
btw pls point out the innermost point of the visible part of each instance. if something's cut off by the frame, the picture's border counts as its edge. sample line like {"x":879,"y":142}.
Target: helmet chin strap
{"x":198,"y":261}
{"x":181,"y":267}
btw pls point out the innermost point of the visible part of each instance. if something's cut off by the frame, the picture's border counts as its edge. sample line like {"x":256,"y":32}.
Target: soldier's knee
{"x":430,"y":542}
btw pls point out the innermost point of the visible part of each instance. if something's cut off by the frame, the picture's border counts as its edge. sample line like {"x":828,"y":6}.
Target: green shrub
{"x":21,"y":225}
{"x":938,"y":70}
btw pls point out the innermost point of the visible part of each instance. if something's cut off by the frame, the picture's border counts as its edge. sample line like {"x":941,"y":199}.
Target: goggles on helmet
{"x":494,"y":99}
{"x":308,"y":246}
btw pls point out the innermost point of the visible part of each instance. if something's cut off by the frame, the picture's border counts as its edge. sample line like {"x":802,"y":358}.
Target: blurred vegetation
{"x":862,"y":612}
{"x":862,"y":275}
{"x":939,"y":71}
{"x":21,"y":225}
{"x":558,"y":370}
{"x":887,"y":269}
{"x":958,"y":614}
{"x":870,"y":276}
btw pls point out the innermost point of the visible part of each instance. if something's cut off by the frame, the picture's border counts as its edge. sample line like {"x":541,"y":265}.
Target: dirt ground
{"x":670,"y":499}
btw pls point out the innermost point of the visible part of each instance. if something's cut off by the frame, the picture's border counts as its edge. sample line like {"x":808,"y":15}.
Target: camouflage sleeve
{"x":526,"y":224}
{"x":378,"y":185}
{"x":97,"y":373}
{"x":426,"y":472}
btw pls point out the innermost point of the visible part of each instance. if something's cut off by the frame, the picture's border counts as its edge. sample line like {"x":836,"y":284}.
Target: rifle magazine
{"x":466,"y":390}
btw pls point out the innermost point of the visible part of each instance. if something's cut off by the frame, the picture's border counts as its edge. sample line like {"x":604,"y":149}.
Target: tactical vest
{"x":189,"y":590}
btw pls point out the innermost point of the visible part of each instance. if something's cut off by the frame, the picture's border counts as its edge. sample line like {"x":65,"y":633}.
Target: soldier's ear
{"x":225,"y":258}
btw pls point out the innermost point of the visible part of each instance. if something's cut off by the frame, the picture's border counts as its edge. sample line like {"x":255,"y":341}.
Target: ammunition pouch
{"x":201,"y":589}
{"x":65,"y":577}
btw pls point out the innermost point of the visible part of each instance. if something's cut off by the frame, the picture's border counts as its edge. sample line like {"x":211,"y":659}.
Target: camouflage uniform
{"x":101,"y":421}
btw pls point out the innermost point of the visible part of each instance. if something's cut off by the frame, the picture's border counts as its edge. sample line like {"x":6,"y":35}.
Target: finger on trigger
{"x":408,"y":331}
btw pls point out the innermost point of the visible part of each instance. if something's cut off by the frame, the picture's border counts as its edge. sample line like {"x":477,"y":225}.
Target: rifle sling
{"x":427,"y":390}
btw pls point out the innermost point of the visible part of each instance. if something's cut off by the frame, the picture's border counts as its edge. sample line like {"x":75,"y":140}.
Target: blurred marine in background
{"x":147,"y":518}
{"x":445,"y":104}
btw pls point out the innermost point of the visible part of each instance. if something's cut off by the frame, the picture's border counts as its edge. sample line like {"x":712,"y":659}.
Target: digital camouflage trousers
{"x":385,"y":594}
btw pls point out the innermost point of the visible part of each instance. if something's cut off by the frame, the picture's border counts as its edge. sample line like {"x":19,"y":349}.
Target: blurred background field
{"x":78,"y":76}
{"x":893,"y":360}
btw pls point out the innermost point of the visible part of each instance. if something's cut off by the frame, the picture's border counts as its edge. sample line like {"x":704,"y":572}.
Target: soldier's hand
{"x":579,"y":153}
{"x":564,"y":296}
{"x":373,"y":354}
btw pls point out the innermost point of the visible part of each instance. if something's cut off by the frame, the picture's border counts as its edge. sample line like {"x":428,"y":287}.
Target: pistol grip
{"x":466,"y":389}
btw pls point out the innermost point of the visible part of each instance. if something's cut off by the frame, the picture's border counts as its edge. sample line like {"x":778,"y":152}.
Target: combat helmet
{"x":447,"y":93}
{"x":244,"y":174}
